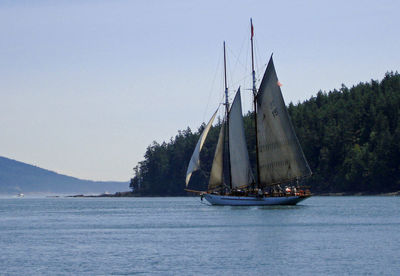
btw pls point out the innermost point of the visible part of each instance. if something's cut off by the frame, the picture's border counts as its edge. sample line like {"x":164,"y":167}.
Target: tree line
{"x":350,"y":137}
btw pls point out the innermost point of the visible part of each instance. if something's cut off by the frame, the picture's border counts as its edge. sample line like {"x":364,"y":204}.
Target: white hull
{"x":252,"y":201}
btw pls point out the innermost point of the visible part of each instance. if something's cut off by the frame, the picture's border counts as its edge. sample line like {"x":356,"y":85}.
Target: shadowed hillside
{"x":16,"y":177}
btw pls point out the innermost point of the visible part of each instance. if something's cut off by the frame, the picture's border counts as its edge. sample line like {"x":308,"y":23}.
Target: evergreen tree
{"x":350,"y":137}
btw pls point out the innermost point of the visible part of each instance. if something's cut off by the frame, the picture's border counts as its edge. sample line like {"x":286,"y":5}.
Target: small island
{"x":350,"y":136}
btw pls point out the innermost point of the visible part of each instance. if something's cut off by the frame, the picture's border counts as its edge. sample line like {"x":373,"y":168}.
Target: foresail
{"x":281,"y":158}
{"x":216,"y":175}
{"x":194,"y":163}
{"x":240,"y":165}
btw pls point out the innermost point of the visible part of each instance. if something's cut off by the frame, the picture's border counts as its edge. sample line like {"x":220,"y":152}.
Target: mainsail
{"x":194,"y":163}
{"x":281,"y":158}
{"x":216,"y":175}
{"x":239,"y":157}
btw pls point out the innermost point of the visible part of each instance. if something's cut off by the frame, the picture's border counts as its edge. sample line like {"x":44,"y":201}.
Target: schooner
{"x":280,"y":164}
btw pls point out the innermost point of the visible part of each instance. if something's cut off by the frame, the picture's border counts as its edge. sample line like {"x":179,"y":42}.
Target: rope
{"x":212,"y":88}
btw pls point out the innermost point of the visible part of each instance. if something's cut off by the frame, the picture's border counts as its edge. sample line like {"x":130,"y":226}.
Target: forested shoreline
{"x":350,"y":137}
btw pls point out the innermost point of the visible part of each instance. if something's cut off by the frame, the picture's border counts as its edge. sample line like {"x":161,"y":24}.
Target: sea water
{"x":184,"y":236}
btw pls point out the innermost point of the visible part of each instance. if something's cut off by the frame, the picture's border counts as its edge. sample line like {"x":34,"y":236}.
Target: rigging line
{"x":231,"y":77}
{"x":256,"y":52}
{"x":248,"y":82}
{"x":259,"y":68}
{"x":212,"y":87}
{"x":232,"y":84}
{"x":228,"y":89}
{"x":244,"y":66}
{"x":256,"y":59}
{"x":239,"y":66}
{"x":261,"y":71}
{"x":220,"y":110}
{"x":247,"y":76}
{"x":243,"y":79}
{"x":239,"y":81}
{"x":237,"y":57}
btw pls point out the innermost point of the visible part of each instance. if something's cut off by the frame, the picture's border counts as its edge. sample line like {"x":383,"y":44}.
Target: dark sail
{"x":281,"y":158}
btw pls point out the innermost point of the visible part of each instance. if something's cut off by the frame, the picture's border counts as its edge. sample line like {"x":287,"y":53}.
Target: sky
{"x":86,"y":86}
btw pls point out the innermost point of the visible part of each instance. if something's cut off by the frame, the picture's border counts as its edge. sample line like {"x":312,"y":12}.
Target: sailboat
{"x":281,"y":163}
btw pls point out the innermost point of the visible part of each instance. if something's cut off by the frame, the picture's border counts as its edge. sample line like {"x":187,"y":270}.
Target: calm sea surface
{"x":182,"y":236}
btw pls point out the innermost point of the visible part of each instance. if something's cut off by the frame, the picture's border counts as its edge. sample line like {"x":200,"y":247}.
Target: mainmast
{"x":253,"y":73}
{"x":227,"y":120}
{"x":226,"y":86}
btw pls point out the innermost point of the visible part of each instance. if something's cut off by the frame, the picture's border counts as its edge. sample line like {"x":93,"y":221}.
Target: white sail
{"x":216,"y":177}
{"x":240,"y":164}
{"x":281,"y":158}
{"x":194,"y":163}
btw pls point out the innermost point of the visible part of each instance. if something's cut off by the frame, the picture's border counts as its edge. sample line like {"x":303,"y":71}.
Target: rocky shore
{"x":117,"y":194}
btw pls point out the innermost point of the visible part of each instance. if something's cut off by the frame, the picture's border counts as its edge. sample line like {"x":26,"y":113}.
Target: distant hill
{"x":18,"y":177}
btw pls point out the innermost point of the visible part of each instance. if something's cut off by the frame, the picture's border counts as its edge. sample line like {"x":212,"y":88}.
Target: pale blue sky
{"x":86,"y":86}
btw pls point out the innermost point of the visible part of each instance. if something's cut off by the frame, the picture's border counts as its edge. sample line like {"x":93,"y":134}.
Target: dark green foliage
{"x":351,"y":138}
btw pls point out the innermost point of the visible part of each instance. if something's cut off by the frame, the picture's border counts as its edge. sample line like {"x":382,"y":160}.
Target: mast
{"x":253,"y":73}
{"x":226,"y":86}
{"x":227,"y":121}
